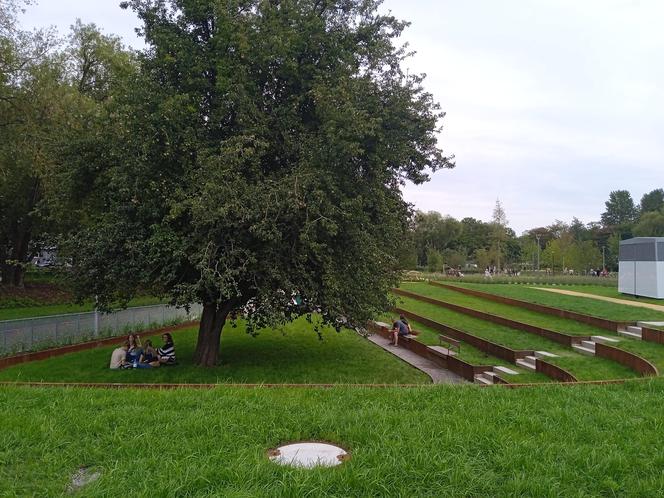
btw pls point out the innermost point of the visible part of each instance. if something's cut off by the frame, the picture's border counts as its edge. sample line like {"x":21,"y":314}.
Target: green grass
{"x":564,"y":325}
{"x":581,"y":366}
{"x":587,"y":306}
{"x":612,"y":292}
{"x":442,"y":441}
{"x":472,"y":355}
{"x":294,"y":355}
{"x":61,"y":309}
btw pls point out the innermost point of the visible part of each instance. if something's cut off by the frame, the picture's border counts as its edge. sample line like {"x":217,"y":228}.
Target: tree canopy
{"x":257,"y":157}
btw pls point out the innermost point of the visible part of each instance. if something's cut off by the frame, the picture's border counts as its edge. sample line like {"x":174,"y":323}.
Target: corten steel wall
{"x":630,"y":360}
{"x":558,"y":337}
{"x":554,"y":371}
{"x":489,"y":347}
{"x":652,"y":335}
{"x":540,"y":308}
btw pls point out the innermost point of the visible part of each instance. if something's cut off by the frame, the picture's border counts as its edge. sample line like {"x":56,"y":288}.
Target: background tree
{"x":651,"y":224}
{"x":434,"y":231}
{"x":652,"y":201}
{"x":620,"y":209}
{"x":499,"y":232}
{"x":258,"y":156}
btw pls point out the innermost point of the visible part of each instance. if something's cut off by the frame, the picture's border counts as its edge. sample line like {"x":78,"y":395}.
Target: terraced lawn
{"x":581,"y":366}
{"x":292,"y":355}
{"x":652,"y":352}
{"x":587,"y":306}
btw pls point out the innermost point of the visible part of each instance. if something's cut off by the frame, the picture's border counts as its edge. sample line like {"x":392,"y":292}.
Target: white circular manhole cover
{"x":309,"y":455}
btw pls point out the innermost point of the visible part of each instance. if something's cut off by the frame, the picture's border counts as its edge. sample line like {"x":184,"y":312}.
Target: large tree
{"x":257,"y":158}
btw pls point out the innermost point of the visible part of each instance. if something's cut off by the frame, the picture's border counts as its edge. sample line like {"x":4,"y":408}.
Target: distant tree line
{"x":439,"y":242}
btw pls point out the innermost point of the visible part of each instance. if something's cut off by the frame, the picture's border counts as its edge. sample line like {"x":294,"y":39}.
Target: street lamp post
{"x":538,"y":251}
{"x":603,"y":258}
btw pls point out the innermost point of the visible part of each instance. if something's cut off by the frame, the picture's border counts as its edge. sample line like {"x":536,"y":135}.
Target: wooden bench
{"x":451,"y":343}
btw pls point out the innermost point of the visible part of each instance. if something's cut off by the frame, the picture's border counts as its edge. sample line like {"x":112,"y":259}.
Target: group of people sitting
{"x":132,"y":354}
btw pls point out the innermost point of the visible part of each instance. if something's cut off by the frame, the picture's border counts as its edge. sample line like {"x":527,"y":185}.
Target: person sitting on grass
{"x":149,"y":354}
{"x":119,"y":357}
{"x":399,"y":329}
{"x":166,"y":353}
{"x":135,"y":349}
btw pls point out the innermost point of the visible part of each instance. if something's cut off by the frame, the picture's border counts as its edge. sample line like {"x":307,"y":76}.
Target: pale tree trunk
{"x":209,"y":333}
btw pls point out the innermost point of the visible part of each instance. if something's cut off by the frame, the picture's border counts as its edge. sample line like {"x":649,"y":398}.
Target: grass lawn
{"x":581,"y":366}
{"x":588,"y":306}
{"x":610,"y":292}
{"x":294,"y":355}
{"x":15,"y":313}
{"x":443,"y":441}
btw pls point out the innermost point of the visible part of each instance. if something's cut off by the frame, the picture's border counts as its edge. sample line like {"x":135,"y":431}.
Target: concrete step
{"x":583,"y":349}
{"x":603,"y":340}
{"x":532,"y":359}
{"x":526,"y":364}
{"x":481,"y":379}
{"x":588,"y":344}
{"x":505,"y":370}
{"x":650,"y":324}
{"x":632,"y":335}
{"x":545,"y":354}
{"x":443,"y":350}
{"x":634,"y":329}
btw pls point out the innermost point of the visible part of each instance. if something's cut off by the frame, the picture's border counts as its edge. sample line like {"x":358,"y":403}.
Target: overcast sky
{"x":551,"y":104}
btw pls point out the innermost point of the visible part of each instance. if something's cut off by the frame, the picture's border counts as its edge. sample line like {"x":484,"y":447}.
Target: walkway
{"x":438,"y":374}
{"x":657,"y":307}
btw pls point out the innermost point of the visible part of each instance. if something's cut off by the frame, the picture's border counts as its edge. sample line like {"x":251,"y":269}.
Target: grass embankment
{"x":472,"y":355}
{"x":581,"y":366}
{"x":15,"y":313}
{"x":439,"y":441}
{"x":587,"y":306}
{"x":294,"y":355}
{"x":652,"y":352}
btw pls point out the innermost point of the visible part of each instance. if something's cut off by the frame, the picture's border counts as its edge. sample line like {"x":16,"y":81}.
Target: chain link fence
{"x":31,"y":334}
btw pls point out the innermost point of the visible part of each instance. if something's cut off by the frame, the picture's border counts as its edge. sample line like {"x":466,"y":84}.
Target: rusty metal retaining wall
{"x":558,"y":337}
{"x":630,"y":360}
{"x":488,"y":347}
{"x":554,"y":371}
{"x":540,"y":308}
{"x":652,"y":335}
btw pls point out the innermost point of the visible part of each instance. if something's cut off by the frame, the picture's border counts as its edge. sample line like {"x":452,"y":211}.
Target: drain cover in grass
{"x":83,"y":476}
{"x":309,"y":455}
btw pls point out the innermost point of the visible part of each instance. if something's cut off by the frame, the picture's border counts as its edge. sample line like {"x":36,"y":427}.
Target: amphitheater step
{"x":634,"y":329}
{"x":603,"y":340}
{"x":505,"y":370}
{"x":527,"y":363}
{"x":545,"y":354}
{"x":483,"y":378}
{"x":650,"y":324}
{"x":630,"y":333}
{"x":584,"y":349}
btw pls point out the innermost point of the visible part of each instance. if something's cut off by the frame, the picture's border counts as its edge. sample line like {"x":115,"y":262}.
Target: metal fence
{"x":54,"y":330}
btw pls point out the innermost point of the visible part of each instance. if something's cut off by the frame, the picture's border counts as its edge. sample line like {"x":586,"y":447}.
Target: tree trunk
{"x":209,"y":333}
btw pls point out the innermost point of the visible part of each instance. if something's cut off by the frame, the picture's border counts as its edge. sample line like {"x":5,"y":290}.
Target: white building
{"x":641,"y":267}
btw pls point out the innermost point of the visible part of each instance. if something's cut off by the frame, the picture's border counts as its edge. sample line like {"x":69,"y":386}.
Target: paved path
{"x":651,"y":306}
{"x":438,"y":374}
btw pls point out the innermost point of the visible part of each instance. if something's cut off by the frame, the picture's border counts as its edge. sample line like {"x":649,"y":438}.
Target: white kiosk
{"x":641,"y":267}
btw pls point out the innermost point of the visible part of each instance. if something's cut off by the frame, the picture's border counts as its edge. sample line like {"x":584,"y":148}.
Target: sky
{"x":551,"y":104}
